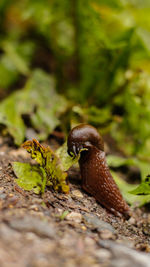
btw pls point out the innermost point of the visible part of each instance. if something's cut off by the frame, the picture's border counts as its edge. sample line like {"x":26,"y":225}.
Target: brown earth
{"x":59,"y":229}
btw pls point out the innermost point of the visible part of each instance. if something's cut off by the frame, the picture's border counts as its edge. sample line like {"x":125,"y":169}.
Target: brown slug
{"x":96,"y":177}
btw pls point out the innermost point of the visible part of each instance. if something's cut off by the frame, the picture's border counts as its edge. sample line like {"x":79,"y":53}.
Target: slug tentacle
{"x":96,"y":177}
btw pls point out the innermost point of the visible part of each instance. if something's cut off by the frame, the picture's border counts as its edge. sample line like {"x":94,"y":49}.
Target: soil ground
{"x":58,"y":229}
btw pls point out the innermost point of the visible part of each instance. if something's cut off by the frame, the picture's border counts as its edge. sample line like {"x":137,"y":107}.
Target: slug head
{"x":83,"y":136}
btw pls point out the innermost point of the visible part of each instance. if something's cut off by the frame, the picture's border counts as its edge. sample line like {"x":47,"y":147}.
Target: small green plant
{"x":49,"y":170}
{"x":143,"y":188}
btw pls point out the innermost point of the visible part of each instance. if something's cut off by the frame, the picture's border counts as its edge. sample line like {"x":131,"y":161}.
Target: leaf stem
{"x":44,"y":180}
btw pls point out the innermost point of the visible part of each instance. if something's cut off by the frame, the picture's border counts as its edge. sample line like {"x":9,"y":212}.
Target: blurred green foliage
{"x":99,"y":53}
{"x":135,"y":196}
{"x":39,"y":102}
{"x":143,"y":188}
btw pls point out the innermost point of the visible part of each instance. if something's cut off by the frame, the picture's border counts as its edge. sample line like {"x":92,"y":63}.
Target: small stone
{"x":30,"y":236}
{"x":89,"y":242}
{"x":3,"y":196}
{"x":39,"y":261}
{"x":126,"y":241}
{"x":93,"y":222}
{"x":7,"y":234}
{"x":77,"y":194}
{"x":59,"y":211}
{"x":132,"y":220}
{"x":34,"y":207}
{"x":10,"y":206}
{"x":37,"y":200}
{"x":106,"y":234}
{"x":146,"y":229}
{"x":74,"y":216}
{"x":33,"y":224}
{"x":102,"y":254}
{"x":124,"y":256}
{"x":13,"y":200}
{"x":83,"y":228}
{"x":10,"y":195}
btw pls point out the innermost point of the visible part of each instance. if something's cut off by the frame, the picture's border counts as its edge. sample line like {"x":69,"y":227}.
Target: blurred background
{"x":72,"y":61}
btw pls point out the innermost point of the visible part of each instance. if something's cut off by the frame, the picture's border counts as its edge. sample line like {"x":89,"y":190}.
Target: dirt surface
{"x":58,"y":229}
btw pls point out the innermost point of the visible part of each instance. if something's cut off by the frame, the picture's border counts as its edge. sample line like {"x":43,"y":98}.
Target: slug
{"x":96,"y":177}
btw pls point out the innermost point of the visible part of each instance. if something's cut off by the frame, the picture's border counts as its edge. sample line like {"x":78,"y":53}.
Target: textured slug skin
{"x":96,"y":177}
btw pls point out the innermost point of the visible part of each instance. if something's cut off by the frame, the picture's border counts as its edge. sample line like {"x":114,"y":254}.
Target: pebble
{"x":89,"y":242}
{"x":34,"y":207}
{"x":132,"y":220}
{"x":102,"y":255}
{"x":37,"y":200}
{"x":123,"y":256}
{"x":74,"y":216}
{"x":3,"y":196}
{"x":33,"y":224}
{"x":77,"y":193}
{"x":1,"y":189}
{"x":106,"y":234}
{"x":39,"y":261}
{"x":146,"y":229}
{"x":30,"y":236}
{"x":126,"y":241}
{"x":83,"y":228}
{"x":94,"y":222}
{"x":7,"y":234}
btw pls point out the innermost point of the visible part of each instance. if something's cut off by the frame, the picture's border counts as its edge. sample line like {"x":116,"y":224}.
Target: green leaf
{"x":63,"y":215}
{"x":64,"y":157}
{"x":8,"y":73}
{"x":143,"y":188}
{"x":29,"y":176}
{"x":11,"y":118}
{"x":126,"y":189}
{"x":39,"y":101}
{"x":66,"y":160}
{"x":144,"y":167}
{"x":16,"y":58}
{"x":116,"y":161}
{"x":93,"y":115}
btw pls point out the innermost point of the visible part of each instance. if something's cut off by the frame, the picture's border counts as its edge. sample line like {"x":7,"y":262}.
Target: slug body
{"x":96,"y":177}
